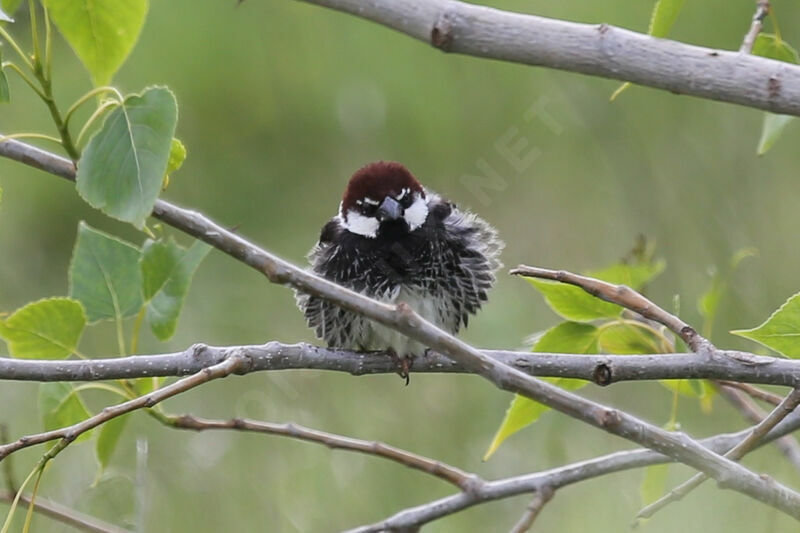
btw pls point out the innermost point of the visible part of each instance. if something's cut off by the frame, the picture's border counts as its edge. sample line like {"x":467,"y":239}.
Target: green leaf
{"x":521,"y":413}
{"x":9,"y":7}
{"x":781,"y":331}
{"x":5,"y":95}
{"x":626,"y":339}
{"x":665,"y":13}
{"x":104,"y":275}
{"x":107,"y":440}
{"x":122,"y":168}
{"x":60,"y":406}
{"x":568,"y":337}
{"x":771,"y":131}
{"x":177,"y":155}
{"x":47,"y":329}
{"x":102,"y":32}
{"x":771,"y":46}
{"x":635,"y":275}
{"x":167,"y":270}
{"x":573,"y":303}
{"x":654,"y":483}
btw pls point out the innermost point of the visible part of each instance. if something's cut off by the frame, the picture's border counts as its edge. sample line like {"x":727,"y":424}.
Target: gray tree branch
{"x":600,"y":369}
{"x":558,"y":478}
{"x":403,"y":319}
{"x":594,"y":49}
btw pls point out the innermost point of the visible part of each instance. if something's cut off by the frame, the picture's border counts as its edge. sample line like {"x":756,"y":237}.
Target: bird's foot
{"x":404,"y":365}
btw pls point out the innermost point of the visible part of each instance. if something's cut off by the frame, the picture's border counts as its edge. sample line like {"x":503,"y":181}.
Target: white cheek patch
{"x":416,"y":213}
{"x":357,"y":223}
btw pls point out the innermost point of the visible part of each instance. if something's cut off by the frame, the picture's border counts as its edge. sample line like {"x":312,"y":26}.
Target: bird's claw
{"x":404,"y":365}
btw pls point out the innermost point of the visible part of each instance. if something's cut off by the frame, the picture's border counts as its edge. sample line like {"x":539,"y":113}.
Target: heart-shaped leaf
{"x":104,"y":275}
{"x":47,"y":329}
{"x":122,"y":169}
{"x":102,"y":32}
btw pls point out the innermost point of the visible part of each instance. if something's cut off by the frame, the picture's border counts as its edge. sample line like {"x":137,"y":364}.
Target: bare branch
{"x":594,"y":49}
{"x":403,"y":319}
{"x":599,"y":369}
{"x":8,"y":466}
{"x":758,"y":432}
{"x":463,"y":480}
{"x":64,"y":514}
{"x":753,"y":392}
{"x":620,"y":295}
{"x":557,"y":478}
{"x":787,"y":444}
{"x":762,"y":10}
{"x":540,"y":499}
{"x":236,"y":363}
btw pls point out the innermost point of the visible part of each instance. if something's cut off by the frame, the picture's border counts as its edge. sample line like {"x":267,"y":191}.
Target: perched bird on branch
{"x":395,"y":241}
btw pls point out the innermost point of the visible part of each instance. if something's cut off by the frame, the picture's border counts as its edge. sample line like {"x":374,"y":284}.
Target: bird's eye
{"x":369,"y":209}
{"x":406,"y":200}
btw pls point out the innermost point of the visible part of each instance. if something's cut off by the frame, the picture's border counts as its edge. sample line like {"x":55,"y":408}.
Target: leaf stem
{"x":774,"y":19}
{"x":13,"y":508}
{"x":97,"y":113}
{"x":48,"y":44}
{"x":24,"y":77}
{"x":62,"y":128}
{"x":5,"y":35}
{"x":120,"y":335}
{"x":137,"y":328}
{"x":37,"y":52}
{"x":29,"y":516}
{"x":86,"y":97}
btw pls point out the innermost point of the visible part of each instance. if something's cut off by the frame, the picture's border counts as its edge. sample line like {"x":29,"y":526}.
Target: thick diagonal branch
{"x":403,"y":319}
{"x":786,"y":407}
{"x":557,"y":478}
{"x":594,"y":49}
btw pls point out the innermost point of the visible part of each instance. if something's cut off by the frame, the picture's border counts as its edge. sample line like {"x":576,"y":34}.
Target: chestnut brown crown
{"x":377,"y":181}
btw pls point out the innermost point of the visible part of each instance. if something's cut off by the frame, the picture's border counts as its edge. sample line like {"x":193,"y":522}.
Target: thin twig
{"x":8,"y":466}
{"x":753,"y":392}
{"x":788,"y":405}
{"x":787,"y":444}
{"x":450,"y":474}
{"x":636,"y":302}
{"x":63,"y":514}
{"x":557,"y":478}
{"x":621,"y":295}
{"x":762,"y":10}
{"x":540,"y":499}
{"x":68,"y":434}
{"x":404,"y":320}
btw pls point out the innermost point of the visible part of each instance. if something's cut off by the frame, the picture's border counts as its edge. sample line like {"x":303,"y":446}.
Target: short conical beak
{"x":390,"y":209}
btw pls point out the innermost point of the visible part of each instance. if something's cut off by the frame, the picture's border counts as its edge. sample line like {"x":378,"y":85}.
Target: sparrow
{"x":396,"y":241}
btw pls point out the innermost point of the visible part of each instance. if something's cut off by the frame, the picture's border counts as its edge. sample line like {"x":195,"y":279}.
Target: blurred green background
{"x":279,"y":103}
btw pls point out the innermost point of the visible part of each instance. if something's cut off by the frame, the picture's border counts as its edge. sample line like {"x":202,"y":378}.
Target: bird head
{"x":381,"y":197}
